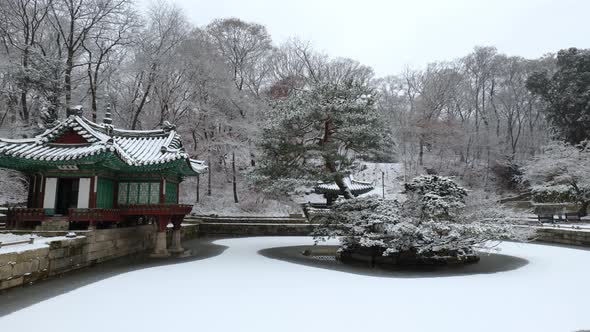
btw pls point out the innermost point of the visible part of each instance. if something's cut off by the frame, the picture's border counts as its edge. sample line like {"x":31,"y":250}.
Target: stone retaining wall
{"x":251,"y":229}
{"x":61,"y":256}
{"x":563,"y":236}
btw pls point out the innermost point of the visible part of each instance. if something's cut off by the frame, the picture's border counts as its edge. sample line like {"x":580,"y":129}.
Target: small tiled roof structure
{"x":79,"y":141}
{"x":355,"y":186}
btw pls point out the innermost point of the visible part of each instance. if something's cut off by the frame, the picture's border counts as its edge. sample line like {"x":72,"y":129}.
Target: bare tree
{"x":106,"y":38}
{"x":21,"y":24}
{"x":244,"y":46}
{"x":75,"y":21}
{"x":166,"y":29}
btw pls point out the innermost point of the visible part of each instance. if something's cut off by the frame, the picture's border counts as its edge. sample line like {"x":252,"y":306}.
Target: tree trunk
{"x":339,"y":179}
{"x":209,"y":175}
{"x":421,"y":151}
{"x":92,"y":87}
{"x":234,"y":184}
{"x":331,"y":165}
{"x":23,"y":95}
{"x":135,"y":120}
{"x":151,"y":78}
{"x":198,"y":187}
{"x":68,"y":73}
{"x":23,"y":102}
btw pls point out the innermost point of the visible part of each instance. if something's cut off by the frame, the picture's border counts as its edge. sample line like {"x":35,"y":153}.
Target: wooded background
{"x":470,"y":117}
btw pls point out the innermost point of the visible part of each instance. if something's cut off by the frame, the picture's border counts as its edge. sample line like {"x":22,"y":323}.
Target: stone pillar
{"x":160,"y":247}
{"x":176,"y":246}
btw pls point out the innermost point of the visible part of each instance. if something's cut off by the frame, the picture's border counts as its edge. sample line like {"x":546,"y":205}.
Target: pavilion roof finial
{"x":167,"y":126}
{"x":75,"y":110}
{"x":107,"y":116}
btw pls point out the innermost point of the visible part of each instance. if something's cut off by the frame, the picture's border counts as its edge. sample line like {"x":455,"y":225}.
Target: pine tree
{"x":319,"y":133}
{"x":567,"y":94}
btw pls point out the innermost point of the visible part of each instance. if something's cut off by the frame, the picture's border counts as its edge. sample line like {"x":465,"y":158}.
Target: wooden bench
{"x":545,"y":218}
{"x":561,"y":217}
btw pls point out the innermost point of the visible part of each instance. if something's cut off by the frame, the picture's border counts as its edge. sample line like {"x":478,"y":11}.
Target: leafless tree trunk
{"x":234,"y":183}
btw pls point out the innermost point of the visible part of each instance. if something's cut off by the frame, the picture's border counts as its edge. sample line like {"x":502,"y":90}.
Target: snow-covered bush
{"x":435,"y":197}
{"x":437,"y":223}
{"x":560,"y":174}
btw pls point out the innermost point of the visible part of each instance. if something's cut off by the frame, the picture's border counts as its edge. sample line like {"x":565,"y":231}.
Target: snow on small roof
{"x":355,"y":186}
{"x":133,"y":147}
{"x":198,"y":165}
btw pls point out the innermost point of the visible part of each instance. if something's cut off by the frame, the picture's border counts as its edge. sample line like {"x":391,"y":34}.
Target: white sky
{"x":389,"y":35}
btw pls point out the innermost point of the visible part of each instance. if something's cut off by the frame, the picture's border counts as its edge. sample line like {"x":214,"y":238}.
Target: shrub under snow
{"x":437,"y":223}
{"x":560,"y":174}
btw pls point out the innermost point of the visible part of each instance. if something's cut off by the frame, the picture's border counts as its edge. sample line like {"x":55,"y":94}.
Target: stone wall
{"x":251,"y":229}
{"x":575,"y":237}
{"x":70,"y":254}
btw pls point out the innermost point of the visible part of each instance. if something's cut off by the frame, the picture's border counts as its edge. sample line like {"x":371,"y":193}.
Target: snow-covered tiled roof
{"x":133,"y":147}
{"x":355,"y":186}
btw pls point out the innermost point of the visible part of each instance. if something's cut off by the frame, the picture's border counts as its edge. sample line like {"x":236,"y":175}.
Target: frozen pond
{"x":241,"y":290}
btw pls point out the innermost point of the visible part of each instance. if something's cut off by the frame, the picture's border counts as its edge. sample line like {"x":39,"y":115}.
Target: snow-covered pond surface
{"x":240,"y":290}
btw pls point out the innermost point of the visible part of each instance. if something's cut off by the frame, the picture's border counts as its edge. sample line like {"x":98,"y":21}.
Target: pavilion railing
{"x":18,"y":216}
{"x":156,"y":209}
{"x":15,"y":216}
{"x":93,"y":215}
{"x":114,"y":215}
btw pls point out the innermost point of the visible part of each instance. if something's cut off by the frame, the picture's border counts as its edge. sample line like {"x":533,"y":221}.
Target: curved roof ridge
{"x":98,"y":135}
{"x":20,"y":140}
{"x":123,"y":132}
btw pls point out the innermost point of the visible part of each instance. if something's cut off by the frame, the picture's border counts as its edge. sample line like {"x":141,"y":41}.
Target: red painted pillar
{"x":163,"y":222}
{"x":41,"y":191}
{"x":93,"y":188}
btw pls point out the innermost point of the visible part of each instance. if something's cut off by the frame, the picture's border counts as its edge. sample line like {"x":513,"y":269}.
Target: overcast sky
{"x":389,"y":35}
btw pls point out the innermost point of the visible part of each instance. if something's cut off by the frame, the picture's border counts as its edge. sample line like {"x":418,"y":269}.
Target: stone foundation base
{"x":176,"y":246}
{"x":181,"y":254}
{"x":160,"y":248}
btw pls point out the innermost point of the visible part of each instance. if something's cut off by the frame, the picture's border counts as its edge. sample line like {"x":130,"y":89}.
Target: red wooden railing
{"x":15,"y":216}
{"x":94,"y":215}
{"x":158,"y":209}
{"x":18,"y":215}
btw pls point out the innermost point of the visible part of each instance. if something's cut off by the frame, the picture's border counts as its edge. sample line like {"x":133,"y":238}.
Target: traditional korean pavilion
{"x":86,"y":174}
{"x":331,"y":191}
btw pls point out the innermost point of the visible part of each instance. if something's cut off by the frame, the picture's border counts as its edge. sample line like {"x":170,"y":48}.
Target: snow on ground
{"x":392,"y":173}
{"x":240,"y":290}
{"x":38,"y":243}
